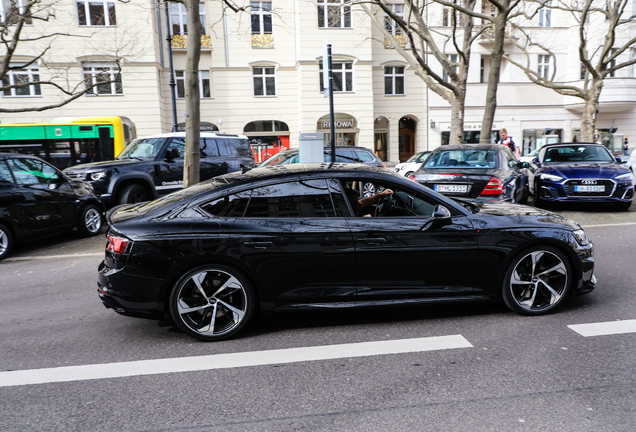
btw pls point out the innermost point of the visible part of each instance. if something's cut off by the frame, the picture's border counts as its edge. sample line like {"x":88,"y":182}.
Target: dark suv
{"x":153,"y":166}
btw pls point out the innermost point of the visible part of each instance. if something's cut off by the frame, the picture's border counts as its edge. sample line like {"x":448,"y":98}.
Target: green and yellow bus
{"x":69,"y":141}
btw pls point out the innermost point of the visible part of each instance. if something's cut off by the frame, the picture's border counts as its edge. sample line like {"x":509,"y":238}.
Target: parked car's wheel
{"x":368,"y":189}
{"x":525,"y":195}
{"x":212,"y":302}
{"x":90,"y":220}
{"x":536,"y":281}
{"x":6,"y":242}
{"x":132,"y":194}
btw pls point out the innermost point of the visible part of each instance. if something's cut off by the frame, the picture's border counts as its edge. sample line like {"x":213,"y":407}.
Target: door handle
{"x":259,"y":245}
{"x":373,"y":241}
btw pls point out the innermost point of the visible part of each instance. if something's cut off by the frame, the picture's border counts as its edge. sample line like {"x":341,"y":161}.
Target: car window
{"x":5,"y":173}
{"x":177,"y":144}
{"x":465,"y":158}
{"x":364,"y":156}
{"x":346,"y":156}
{"x":32,"y":171}
{"x":142,"y":148}
{"x":209,"y":147}
{"x":278,"y":158}
{"x":234,"y":147}
{"x":308,"y":198}
{"x":338,"y":199}
{"x":228,"y":206}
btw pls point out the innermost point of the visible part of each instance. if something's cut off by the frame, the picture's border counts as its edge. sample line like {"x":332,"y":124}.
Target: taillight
{"x":383,"y":165}
{"x":412,"y":177}
{"x":493,"y":187}
{"x":117,"y":244}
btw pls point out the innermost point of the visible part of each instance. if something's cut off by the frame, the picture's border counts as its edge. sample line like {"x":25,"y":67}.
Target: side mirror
{"x":523,"y":165}
{"x":172,"y":154}
{"x":441,"y":212}
{"x":619,"y":160}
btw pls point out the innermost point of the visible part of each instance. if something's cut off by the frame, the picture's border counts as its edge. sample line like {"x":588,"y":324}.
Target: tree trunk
{"x":193,"y":114}
{"x":457,"y":119}
{"x":496,"y":57}
{"x":588,"y":120}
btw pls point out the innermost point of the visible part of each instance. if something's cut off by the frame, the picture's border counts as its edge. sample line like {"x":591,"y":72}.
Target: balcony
{"x":487,"y":37}
{"x":262,"y":40}
{"x":618,"y":95}
{"x":181,"y":42}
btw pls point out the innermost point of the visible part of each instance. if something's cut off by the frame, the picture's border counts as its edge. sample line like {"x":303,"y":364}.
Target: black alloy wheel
{"x":536,"y":281}
{"x":6,"y":242}
{"x":212,"y":302}
{"x":90,"y":220}
{"x":133,"y":194}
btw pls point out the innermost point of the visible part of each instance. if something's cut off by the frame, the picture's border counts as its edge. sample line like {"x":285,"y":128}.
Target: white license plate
{"x":589,"y":188}
{"x":451,"y":188}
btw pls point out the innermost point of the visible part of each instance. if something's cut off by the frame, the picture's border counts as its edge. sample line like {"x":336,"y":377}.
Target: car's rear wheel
{"x":90,"y":221}
{"x":133,"y":194}
{"x":212,"y":302}
{"x":536,"y":281}
{"x":6,"y":242}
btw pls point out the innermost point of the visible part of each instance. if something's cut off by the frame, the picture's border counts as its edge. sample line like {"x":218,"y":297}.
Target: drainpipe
{"x":227,"y":49}
{"x":173,"y":83}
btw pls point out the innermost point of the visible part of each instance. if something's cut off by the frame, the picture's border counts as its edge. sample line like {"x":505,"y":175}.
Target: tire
{"x":368,"y":189}
{"x":538,"y":202}
{"x":133,"y":194}
{"x":536,"y":280}
{"x":90,"y":221}
{"x":513,"y":196}
{"x":526,"y":194}
{"x":212,"y":290}
{"x":6,"y":242}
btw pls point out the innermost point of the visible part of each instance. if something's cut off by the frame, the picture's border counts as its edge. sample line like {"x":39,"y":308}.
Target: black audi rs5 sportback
{"x":299,"y":237}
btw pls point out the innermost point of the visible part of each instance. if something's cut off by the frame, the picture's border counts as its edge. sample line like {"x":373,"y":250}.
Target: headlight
{"x":98,"y":175}
{"x":550,"y":177}
{"x":581,"y":237}
{"x":624,"y":177}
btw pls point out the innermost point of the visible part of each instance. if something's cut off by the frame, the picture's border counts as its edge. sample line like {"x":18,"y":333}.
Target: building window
{"x":448,"y":17}
{"x":342,"y":77}
{"x":96,"y":13}
{"x":583,"y":71}
{"x":632,"y":68}
{"x":482,"y":75}
{"x":452,"y":58}
{"x":394,"y":80}
{"x":264,"y":81}
{"x":612,"y":63}
{"x":334,"y":14}
{"x":389,"y":23}
{"x":204,"y":84}
{"x":12,"y":10}
{"x":545,"y":15}
{"x":102,"y":79}
{"x":261,"y":17}
{"x":22,"y":79}
{"x":544,"y":66}
{"x":179,"y":16}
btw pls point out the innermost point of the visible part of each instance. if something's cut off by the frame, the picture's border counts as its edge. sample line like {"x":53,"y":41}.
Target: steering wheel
{"x":384,"y":206}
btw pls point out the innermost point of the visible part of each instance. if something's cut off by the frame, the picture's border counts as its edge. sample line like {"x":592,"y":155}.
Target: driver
{"x":359,"y":204}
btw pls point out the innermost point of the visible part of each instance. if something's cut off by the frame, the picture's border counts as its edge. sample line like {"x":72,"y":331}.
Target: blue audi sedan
{"x":581,"y":172}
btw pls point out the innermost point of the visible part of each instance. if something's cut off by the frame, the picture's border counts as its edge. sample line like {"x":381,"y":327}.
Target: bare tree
{"x":604,"y":36}
{"x":421,"y":42}
{"x":19,"y":76}
{"x":495,"y":28}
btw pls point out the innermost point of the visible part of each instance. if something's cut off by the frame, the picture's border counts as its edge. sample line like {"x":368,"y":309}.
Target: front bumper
{"x":554,"y":192}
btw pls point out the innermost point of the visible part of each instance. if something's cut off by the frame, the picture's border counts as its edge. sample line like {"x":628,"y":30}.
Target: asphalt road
{"x":517,"y":374}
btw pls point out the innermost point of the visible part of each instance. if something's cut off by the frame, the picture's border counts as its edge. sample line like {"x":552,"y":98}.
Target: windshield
{"x":143,"y":148}
{"x":280,"y":158}
{"x":577,"y":153}
{"x":464,"y":158}
{"x":415,"y":157}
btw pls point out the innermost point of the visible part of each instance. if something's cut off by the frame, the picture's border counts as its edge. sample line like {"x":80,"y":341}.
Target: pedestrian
{"x":625,"y":147}
{"x":509,"y":141}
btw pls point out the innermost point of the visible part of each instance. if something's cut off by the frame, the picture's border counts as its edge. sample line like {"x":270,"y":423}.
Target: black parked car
{"x":153,"y":166}
{"x":37,"y":200}
{"x":285,"y":238}
{"x":581,"y":172}
{"x":475,"y":170}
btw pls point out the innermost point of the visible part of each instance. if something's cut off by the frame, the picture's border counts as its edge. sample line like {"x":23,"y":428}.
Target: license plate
{"x":589,"y":188}
{"x":451,"y":188}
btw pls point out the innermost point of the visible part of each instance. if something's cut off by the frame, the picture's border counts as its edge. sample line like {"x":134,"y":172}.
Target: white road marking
{"x":605,"y":328}
{"x":232,"y":360}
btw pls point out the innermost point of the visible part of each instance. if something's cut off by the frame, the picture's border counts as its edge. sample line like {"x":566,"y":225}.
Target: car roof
{"x":202,"y":134}
{"x":572,"y":144}
{"x":328,"y":147}
{"x":470,"y":147}
{"x":16,"y":155}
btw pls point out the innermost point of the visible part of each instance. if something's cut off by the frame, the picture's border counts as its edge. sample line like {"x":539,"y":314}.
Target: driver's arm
{"x":366,"y":202}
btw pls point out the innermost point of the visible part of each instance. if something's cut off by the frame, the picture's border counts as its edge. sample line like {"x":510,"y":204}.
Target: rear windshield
{"x":464,"y":158}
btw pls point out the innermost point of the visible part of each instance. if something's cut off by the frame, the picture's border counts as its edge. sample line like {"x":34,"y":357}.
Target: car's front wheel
{"x":133,"y":194}
{"x":90,"y":221}
{"x":536,"y":280}
{"x":212,"y":302}
{"x":6,"y":242}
